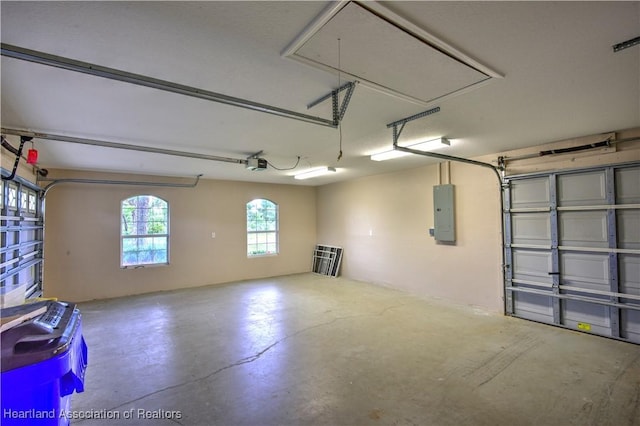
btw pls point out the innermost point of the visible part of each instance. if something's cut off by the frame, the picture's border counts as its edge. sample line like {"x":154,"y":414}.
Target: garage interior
{"x":470,"y":254}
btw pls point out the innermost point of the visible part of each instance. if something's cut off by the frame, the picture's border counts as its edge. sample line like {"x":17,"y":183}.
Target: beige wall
{"x":382,"y":222}
{"x":82,"y":245}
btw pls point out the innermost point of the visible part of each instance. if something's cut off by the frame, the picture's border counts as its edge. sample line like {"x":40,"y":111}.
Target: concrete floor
{"x":312,"y":350}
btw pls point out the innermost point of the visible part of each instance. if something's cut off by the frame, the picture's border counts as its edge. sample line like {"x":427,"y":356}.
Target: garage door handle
{"x":554,"y":273}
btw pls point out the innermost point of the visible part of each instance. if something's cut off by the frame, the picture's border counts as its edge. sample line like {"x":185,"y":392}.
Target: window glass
{"x":32,"y":201}
{"x":262,"y":227}
{"x":23,"y":199}
{"x":12,"y":199}
{"x":144,"y":231}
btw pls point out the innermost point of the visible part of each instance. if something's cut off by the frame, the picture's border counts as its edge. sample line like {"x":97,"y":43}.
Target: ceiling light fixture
{"x":428,"y":145}
{"x":388,"y":155}
{"x":315,"y":173}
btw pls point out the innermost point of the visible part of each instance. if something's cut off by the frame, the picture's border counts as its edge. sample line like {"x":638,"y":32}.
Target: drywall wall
{"x":382,"y":222}
{"x":82,"y":243}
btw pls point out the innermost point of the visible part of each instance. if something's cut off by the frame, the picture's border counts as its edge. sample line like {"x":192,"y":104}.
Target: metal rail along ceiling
{"x":338,"y":109}
{"x":69,"y":64}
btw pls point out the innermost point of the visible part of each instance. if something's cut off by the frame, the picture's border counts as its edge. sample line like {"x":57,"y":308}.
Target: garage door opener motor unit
{"x":256,"y":164}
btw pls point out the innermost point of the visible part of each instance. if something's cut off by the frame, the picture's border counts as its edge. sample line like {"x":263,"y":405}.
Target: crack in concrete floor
{"x":252,"y":358}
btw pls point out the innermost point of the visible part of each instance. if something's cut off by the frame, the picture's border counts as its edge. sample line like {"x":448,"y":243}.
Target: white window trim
{"x":165,"y":235}
{"x":275,"y":231}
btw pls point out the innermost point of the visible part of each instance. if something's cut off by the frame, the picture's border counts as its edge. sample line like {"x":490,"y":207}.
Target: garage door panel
{"x":628,"y":229}
{"x":533,"y":306}
{"x":585,"y":270}
{"x":530,"y":193}
{"x":574,"y":249}
{"x":583,"y":229}
{"x":630,"y":325}
{"x":629,"y":268}
{"x":532,"y":266}
{"x":531,"y":228}
{"x":627,"y":187}
{"x":586,"y":316}
{"x":582,"y":189}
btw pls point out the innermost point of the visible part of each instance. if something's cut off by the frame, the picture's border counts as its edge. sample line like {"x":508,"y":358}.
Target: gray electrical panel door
{"x":572,"y":244}
{"x":443,"y":213}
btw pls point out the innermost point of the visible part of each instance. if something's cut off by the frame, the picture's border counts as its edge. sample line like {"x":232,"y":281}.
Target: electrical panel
{"x":444,"y":213}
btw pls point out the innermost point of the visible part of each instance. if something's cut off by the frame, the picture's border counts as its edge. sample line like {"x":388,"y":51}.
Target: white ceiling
{"x":561,"y":79}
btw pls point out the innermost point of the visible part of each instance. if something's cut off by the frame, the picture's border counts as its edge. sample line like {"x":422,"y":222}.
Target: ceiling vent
{"x":386,"y":52}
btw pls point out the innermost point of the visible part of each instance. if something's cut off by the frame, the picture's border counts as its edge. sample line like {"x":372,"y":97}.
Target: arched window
{"x":262,"y":227}
{"x":144,"y":231}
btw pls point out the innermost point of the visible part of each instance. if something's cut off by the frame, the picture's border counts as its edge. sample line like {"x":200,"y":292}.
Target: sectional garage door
{"x":572,"y":246}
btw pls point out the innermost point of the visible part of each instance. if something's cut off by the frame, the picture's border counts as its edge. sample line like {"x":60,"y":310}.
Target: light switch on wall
{"x":213,"y":235}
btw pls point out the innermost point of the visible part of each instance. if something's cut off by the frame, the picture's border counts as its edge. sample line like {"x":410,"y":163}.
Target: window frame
{"x":12,"y":197}
{"x":265,"y":231}
{"x":138,"y":237}
{"x":32,"y":201}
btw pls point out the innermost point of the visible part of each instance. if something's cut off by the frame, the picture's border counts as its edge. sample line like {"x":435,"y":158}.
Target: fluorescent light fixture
{"x":388,"y":155}
{"x":420,"y":146}
{"x":431,"y":144}
{"x":315,"y":172}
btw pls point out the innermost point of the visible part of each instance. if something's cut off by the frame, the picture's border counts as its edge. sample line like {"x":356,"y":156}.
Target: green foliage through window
{"x":262,"y":227}
{"x":144,"y":231}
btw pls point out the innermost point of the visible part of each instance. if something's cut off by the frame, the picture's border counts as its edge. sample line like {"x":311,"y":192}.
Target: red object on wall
{"x":32,"y":156}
